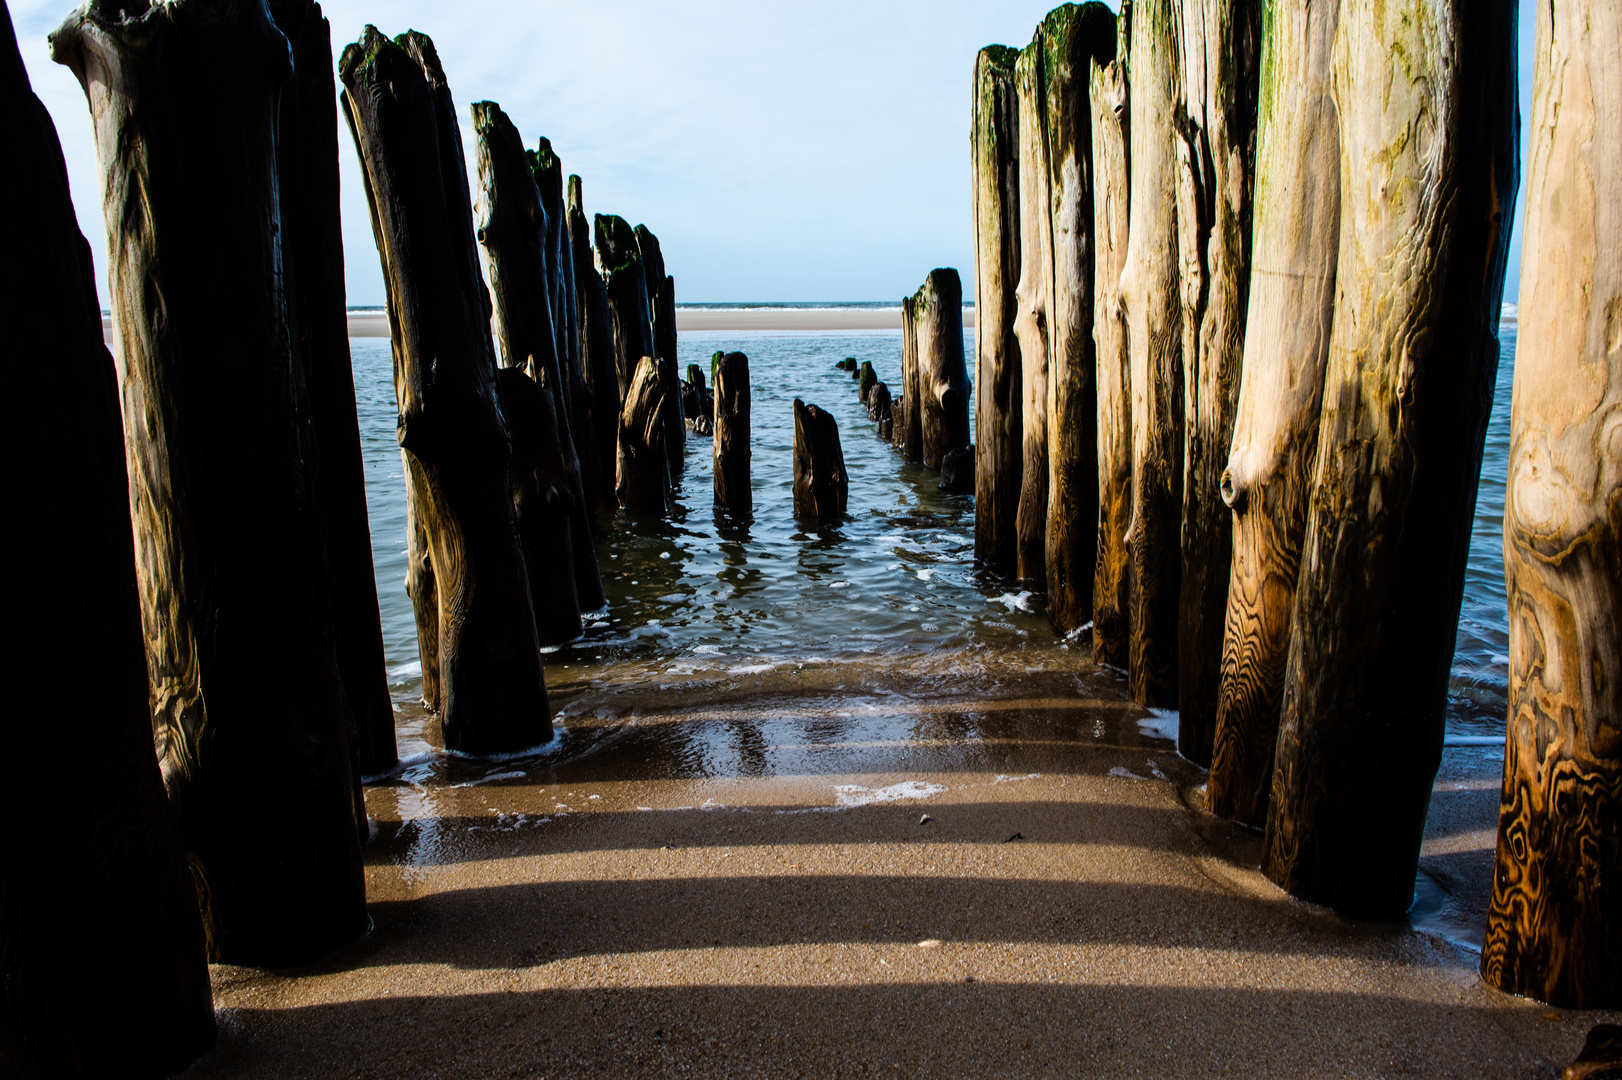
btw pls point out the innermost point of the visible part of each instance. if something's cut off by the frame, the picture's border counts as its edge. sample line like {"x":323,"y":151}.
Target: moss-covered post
{"x":821,"y":486}
{"x":1412,"y":360}
{"x":1112,"y":621}
{"x":1268,"y":480}
{"x":943,"y":375}
{"x":643,"y":479}
{"x":97,"y":881}
{"x":999,"y":417}
{"x":1554,"y":931}
{"x":628,"y":295}
{"x":1150,"y":289}
{"x":492,"y":695}
{"x":597,"y":356}
{"x":1031,"y":311}
{"x":732,"y":485}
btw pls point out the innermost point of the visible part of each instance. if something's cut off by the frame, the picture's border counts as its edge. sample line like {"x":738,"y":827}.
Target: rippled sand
{"x":717,"y":874}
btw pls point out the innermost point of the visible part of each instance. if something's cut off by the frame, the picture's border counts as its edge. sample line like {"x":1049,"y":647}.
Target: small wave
{"x":848,"y":796}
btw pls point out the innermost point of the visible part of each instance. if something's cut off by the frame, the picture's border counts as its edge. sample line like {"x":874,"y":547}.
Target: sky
{"x":780,"y":152}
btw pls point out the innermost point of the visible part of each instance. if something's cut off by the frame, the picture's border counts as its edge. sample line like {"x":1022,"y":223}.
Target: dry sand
{"x":678,"y":890}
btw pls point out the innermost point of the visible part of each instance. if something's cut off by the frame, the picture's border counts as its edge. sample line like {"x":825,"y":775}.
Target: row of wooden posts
{"x":1238,"y":280}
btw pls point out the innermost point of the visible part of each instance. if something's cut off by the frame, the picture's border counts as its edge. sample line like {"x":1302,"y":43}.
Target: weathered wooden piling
{"x":1412,"y":360}
{"x":820,"y":483}
{"x":643,"y":477}
{"x":1031,"y":312}
{"x":881,"y":410}
{"x":1150,"y":289}
{"x":1221,"y":53}
{"x":1268,"y":479}
{"x":313,"y":261}
{"x":542,"y":500}
{"x":662,"y":320}
{"x":1073,"y":38}
{"x":908,"y":432}
{"x":491,"y":691}
{"x":999,"y":414}
{"x":598,"y":365}
{"x":627,"y":287}
{"x":866,"y":379}
{"x":694,"y":398}
{"x":732,"y":487}
{"x":957,"y":471}
{"x":96,"y":884}
{"x":942,"y":373}
{"x":1108,"y":94}
{"x":230,"y":564}
{"x":1554,"y":930}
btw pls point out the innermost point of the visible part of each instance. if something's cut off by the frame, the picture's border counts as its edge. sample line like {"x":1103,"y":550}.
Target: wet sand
{"x":713,"y":875}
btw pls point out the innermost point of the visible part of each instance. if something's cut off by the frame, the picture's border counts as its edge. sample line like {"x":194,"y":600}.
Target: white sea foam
{"x":1020,"y":601}
{"x":1123,"y":771}
{"x":925,"y":575}
{"x":847,"y":796}
{"x":750,"y":669}
{"x":1001,"y":779}
{"x":1161,"y":724}
{"x":514,"y":774}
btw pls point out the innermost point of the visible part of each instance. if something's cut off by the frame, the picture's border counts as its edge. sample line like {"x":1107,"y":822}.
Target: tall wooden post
{"x":732,"y":487}
{"x":1221,"y":54}
{"x":1412,"y":360}
{"x":821,"y":486}
{"x":1554,"y":931}
{"x":542,"y":501}
{"x":95,"y":882}
{"x":1031,"y":311}
{"x":597,"y":356}
{"x":627,"y":285}
{"x":1150,"y":291}
{"x":662,"y":315}
{"x":642,"y":478}
{"x":943,"y":376}
{"x":1072,"y":38}
{"x":999,"y":418}
{"x":492,"y":694}
{"x":908,"y":436}
{"x":1112,"y":621}
{"x":1268,"y":480}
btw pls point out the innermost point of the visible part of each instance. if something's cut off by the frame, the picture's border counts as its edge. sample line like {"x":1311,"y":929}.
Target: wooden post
{"x":1268,"y":481}
{"x":662,"y":316}
{"x":1031,"y":311}
{"x":820,"y":484}
{"x":313,"y":259}
{"x":95,"y":882}
{"x":1554,"y":931}
{"x":1221,"y":50}
{"x":597,"y":356}
{"x":909,"y":432}
{"x":957,"y":471}
{"x":1112,"y":621}
{"x":1150,"y":289}
{"x":492,"y":694}
{"x":1072,"y":37}
{"x":943,"y":374}
{"x":643,"y":484}
{"x":1412,"y":360}
{"x":542,"y":501}
{"x":866,"y":379}
{"x":999,"y":414}
{"x":627,"y":288}
{"x":230,"y":564}
{"x":881,"y":410}
{"x":732,"y":489}
{"x":694,"y":408}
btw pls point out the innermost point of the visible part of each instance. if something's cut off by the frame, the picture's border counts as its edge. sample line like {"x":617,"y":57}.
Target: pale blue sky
{"x":781,"y":152}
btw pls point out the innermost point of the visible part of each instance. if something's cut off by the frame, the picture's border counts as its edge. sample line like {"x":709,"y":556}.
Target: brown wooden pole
{"x":881,"y":410}
{"x":248,"y":707}
{"x":1073,"y":38}
{"x":1112,"y":619}
{"x":908,"y":434}
{"x":731,"y":449}
{"x":542,"y":498}
{"x":1031,"y":311}
{"x":866,"y":379}
{"x":999,"y":416}
{"x":643,"y":484}
{"x":597,"y":357}
{"x":943,"y":374}
{"x":492,"y":693}
{"x":821,"y":486}
{"x":96,"y":881}
{"x":662,"y":316}
{"x":1268,"y":480}
{"x":1554,"y":930}
{"x":628,"y":295}
{"x":1150,"y":290}
{"x":1412,"y":360}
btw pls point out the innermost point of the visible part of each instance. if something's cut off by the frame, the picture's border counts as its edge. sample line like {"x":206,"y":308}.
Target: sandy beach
{"x":1006,"y":879}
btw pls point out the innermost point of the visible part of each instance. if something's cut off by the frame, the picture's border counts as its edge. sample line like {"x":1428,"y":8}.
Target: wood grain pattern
{"x":1031,"y":312}
{"x":539,"y":483}
{"x":642,"y":481}
{"x":733,"y":491}
{"x":1112,"y":578}
{"x":96,"y":881}
{"x":491,"y":692}
{"x":1268,"y":479}
{"x":999,"y":417}
{"x":1554,"y":929}
{"x":821,"y":486}
{"x":908,"y":433}
{"x":1428,"y":168}
{"x":1150,"y":291}
{"x":943,"y":375}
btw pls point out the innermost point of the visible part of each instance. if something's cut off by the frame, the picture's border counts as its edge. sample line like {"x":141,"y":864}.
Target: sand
{"x":731,"y":876}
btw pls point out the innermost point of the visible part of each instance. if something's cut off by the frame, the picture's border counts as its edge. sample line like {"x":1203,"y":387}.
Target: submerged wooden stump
{"x":820,"y":484}
{"x":1031,"y":313}
{"x":313,"y":260}
{"x":643,"y":484}
{"x":732,"y":485}
{"x":96,"y":883}
{"x":1150,"y":289}
{"x":908,"y":433}
{"x":1412,"y":360}
{"x":1268,"y":479}
{"x":880,"y":410}
{"x":999,"y":416}
{"x":542,"y":500}
{"x":943,"y":376}
{"x":1112,"y":620}
{"x":229,"y":558}
{"x":598,"y":366}
{"x":1554,"y":930}
{"x":491,"y":692}
{"x":957,"y":471}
